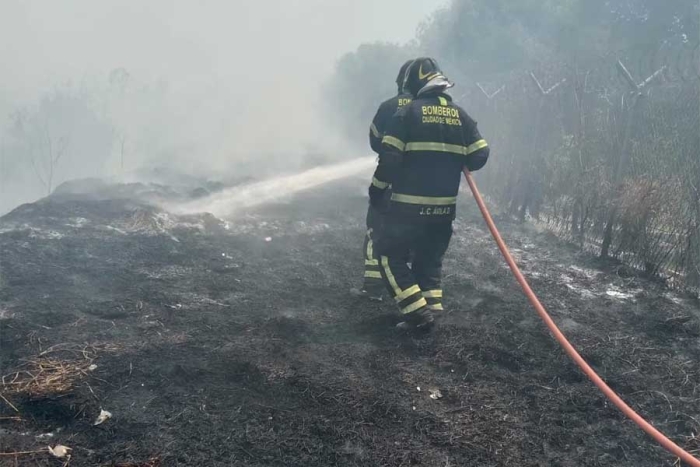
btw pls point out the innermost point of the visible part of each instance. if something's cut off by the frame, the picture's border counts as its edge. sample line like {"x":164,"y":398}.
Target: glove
{"x":376,"y":197}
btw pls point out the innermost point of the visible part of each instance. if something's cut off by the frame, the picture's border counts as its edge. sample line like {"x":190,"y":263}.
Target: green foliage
{"x":495,"y":36}
{"x":556,"y":157}
{"x":475,"y":39}
{"x":642,"y":21}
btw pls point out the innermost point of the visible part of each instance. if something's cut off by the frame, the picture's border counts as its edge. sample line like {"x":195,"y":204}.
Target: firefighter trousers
{"x":420,"y":285}
{"x":373,"y":278}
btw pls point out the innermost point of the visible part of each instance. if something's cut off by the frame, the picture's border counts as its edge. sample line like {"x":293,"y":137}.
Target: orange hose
{"x":570,"y":350}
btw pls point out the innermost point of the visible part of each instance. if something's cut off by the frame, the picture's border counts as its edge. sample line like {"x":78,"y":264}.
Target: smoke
{"x":204,"y":87}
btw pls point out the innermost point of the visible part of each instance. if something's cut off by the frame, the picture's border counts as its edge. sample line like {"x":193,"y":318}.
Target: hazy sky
{"x":246,"y":42}
{"x":243,"y":77}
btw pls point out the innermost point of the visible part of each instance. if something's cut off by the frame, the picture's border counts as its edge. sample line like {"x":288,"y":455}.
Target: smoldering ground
{"x":232,"y":339}
{"x":237,"y":343}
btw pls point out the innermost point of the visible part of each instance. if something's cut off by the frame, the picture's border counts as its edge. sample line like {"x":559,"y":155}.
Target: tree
{"x":62,"y":136}
{"x":43,"y":148}
{"x":478,"y":37}
{"x":362,"y":80}
{"x":118,"y":82}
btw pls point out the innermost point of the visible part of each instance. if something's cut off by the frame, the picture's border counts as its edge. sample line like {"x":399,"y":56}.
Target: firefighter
{"x":372,"y":287}
{"x":426,"y":145}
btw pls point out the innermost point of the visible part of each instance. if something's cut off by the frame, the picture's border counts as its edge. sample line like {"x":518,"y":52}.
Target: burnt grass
{"x":239,"y":344}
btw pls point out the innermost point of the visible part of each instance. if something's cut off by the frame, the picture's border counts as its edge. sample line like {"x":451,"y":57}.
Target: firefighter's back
{"x":435,"y":145}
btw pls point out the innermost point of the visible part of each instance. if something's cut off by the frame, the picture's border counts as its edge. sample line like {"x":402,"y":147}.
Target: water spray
{"x":232,"y":201}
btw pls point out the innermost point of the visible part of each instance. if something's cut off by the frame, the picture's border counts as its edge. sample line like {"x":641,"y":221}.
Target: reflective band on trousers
{"x":392,"y":141}
{"x":390,"y":276}
{"x":373,"y":274}
{"x":370,"y":246}
{"x":414,"y":306}
{"x":379,"y":184}
{"x":444,"y":147}
{"x":432,"y":293}
{"x":407,"y":293}
{"x":430,"y":200}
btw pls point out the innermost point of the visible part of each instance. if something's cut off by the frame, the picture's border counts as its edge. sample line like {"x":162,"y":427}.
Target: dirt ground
{"x":238,"y":343}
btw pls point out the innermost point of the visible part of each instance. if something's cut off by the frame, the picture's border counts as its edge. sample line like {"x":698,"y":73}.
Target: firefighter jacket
{"x":386,"y":110}
{"x":426,"y":145}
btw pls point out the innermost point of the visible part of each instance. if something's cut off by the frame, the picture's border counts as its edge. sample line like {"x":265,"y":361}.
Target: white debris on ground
{"x":5,"y":314}
{"x":60,"y":451}
{"x":589,"y":273}
{"x":103,"y":417}
{"x":673,"y":298}
{"x":617,"y":293}
{"x":77,"y":222}
{"x":584,"y":292}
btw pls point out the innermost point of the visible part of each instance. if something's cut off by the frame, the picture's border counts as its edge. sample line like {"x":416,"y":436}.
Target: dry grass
{"x":43,"y":377}
{"x":52,"y":372}
{"x":21,"y":453}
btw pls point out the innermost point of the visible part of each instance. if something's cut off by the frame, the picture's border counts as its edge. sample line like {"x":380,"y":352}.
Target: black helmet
{"x":401,"y":77}
{"x":424,"y":74}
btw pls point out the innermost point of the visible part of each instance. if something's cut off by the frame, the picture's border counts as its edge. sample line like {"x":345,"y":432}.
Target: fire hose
{"x":564,"y":342}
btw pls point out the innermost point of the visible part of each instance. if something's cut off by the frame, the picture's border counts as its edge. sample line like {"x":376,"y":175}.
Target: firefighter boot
{"x":422,"y":320}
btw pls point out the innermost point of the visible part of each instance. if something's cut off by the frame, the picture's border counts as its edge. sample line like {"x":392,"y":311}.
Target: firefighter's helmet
{"x":423,"y":75}
{"x":401,"y":77}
